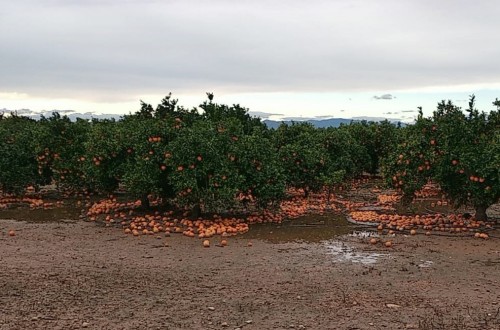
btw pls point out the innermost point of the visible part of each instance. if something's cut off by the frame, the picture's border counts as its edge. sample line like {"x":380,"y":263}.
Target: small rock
{"x":211,"y":308}
{"x":392,"y":305}
{"x":224,"y":324}
{"x":85,"y":324}
{"x":248,"y":322}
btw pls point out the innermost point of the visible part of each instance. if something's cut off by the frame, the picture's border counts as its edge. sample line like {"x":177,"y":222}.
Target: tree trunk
{"x":481,"y":213}
{"x":197,"y":211}
{"x":329,"y":193}
{"x":406,"y":199}
{"x":145,"y":202}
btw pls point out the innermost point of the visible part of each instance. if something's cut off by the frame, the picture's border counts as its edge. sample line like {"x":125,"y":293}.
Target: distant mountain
{"x":322,"y":123}
{"x":72,"y":115}
{"x":316,"y":122}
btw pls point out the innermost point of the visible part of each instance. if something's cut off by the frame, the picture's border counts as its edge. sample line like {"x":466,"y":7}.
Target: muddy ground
{"x":75,"y":274}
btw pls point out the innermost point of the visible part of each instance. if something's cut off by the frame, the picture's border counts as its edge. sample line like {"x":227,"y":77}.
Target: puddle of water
{"x":309,"y":229}
{"x":342,"y":252}
{"x":363,"y":234}
{"x":425,"y":264}
{"x":56,"y":214}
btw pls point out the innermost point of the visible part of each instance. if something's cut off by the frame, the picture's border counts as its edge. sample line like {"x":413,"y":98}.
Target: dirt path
{"x":76,"y":275}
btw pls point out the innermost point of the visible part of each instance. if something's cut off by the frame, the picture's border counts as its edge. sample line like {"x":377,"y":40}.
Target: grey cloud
{"x":263,"y":114}
{"x":73,"y":115}
{"x":368,"y":118}
{"x":384,"y":97}
{"x":66,"y":111}
{"x":115,"y":51}
{"x":22,"y":112}
{"x":297,"y":118}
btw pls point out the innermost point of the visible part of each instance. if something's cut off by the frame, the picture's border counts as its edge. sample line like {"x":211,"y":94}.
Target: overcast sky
{"x":342,"y":58}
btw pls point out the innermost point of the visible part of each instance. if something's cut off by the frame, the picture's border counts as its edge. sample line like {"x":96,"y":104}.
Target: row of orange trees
{"x":218,"y":157}
{"x":213,"y":158}
{"x":459,"y":150}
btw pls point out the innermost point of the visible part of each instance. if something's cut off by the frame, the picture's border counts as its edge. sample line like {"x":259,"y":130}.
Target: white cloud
{"x":384,"y":97}
{"x":110,"y":53}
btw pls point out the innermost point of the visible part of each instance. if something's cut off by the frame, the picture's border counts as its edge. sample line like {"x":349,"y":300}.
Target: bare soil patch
{"x":75,"y":275}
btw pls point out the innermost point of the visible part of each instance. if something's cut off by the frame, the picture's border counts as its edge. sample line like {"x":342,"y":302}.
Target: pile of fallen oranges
{"x":379,"y":212}
{"x":34,"y":203}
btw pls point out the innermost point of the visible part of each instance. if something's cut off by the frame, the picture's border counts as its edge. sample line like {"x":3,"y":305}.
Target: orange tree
{"x":263,"y":178}
{"x":146,"y":137}
{"x":104,"y":157}
{"x":468,"y":148}
{"x":146,"y":146}
{"x":219,"y":113}
{"x":302,"y":155}
{"x":223,"y":159}
{"x":457,"y":150}
{"x":313,"y":158}
{"x":378,"y":138}
{"x":203,"y":176}
{"x":18,"y":163}
{"x":344,"y":157}
{"x":60,"y":150}
{"x":410,"y":165}
{"x":344,"y":152}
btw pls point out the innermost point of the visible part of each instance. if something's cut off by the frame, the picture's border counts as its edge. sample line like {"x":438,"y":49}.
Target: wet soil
{"x":315,"y":274}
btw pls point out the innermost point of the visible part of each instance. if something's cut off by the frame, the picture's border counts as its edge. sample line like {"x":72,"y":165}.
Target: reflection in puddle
{"x":308,"y":229}
{"x":343,"y":253}
{"x":56,"y":214}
